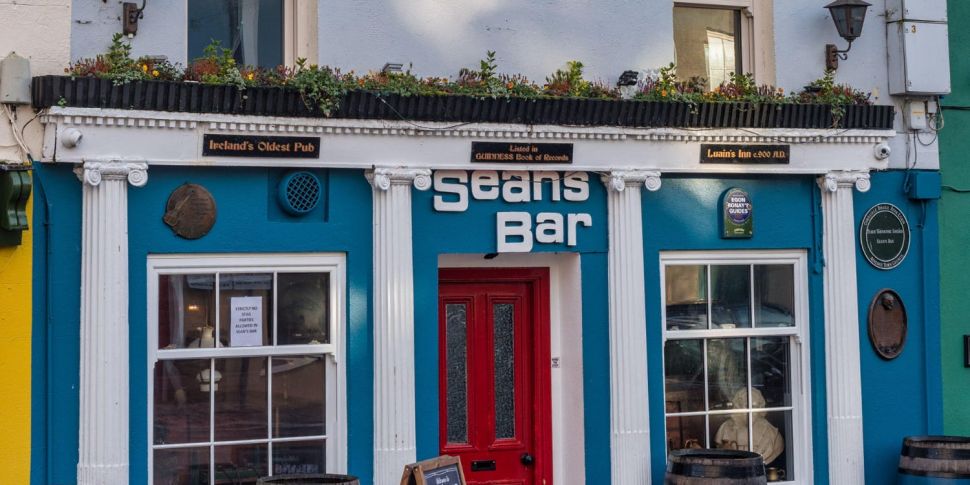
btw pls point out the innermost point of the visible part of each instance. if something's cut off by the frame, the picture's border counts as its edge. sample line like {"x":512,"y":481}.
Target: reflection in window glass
{"x":186,"y":310}
{"x":730,"y":431}
{"x":774,"y":295}
{"x":731,"y":296}
{"x":241,"y":463}
{"x":299,"y":396}
{"x":772,"y":432}
{"x":771,"y":370}
{"x":240,"y":398}
{"x":707,"y":43}
{"x":304,"y":312}
{"x":686,"y":432}
{"x":299,"y":457}
{"x":181,"y":401}
{"x":245,"y":309}
{"x":684,"y":366}
{"x":251,"y":29}
{"x":181,"y":466}
{"x":727,"y":373}
{"x":685,"y":290}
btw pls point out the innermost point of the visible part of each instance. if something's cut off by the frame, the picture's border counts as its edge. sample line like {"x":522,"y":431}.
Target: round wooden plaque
{"x":887,"y":324}
{"x":190,"y":211}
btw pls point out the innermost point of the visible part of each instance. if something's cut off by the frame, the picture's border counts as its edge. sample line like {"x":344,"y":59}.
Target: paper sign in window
{"x":246,"y":326}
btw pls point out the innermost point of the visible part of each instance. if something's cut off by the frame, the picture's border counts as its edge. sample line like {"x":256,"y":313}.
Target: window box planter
{"x":188,"y":97}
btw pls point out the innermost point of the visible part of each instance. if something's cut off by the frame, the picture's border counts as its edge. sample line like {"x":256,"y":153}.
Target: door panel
{"x":494,"y":374}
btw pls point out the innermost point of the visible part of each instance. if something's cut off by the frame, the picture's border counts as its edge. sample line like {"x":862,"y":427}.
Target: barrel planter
{"x":936,"y":460}
{"x":317,"y":479}
{"x":715,"y":467}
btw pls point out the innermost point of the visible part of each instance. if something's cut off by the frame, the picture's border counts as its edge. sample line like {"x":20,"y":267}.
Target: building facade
{"x":553,"y":303}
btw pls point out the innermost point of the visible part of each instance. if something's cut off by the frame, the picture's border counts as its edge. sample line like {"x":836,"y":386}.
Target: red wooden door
{"x":495,"y":406}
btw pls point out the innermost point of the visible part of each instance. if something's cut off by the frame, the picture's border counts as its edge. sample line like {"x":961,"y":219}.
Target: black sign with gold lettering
{"x":491,"y":152}
{"x":261,"y":146}
{"x":745,"y":154}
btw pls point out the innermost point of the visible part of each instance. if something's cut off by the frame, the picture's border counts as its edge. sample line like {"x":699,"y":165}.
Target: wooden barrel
{"x":715,"y":467}
{"x":943,"y":460}
{"x":318,"y":479}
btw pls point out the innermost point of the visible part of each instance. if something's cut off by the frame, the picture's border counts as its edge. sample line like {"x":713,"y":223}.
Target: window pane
{"x":240,"y":397}
{"x":774,"y":295}
{"x":245,"y":309}
{"x":299,"y":457}
{"x":304,"y":313}
{"x":456,"y":321}
{"x":731,"y":290}
{"x":727,"y":368}
{"x":773,"y":439}
{"x":729,"y":431}
{"x":684,"y":368}
{"x":181,"y":466}
{"x":299,"y":396}
{"x":771,"y":371}
{"x":504,"y":370}
{"x":251,"y":29}
{"x":181,"y":404}
{"x":706,"y":43}
{"x":186,"y":309}
{"x":686,"y":432}
{"x":241,"y":464}
{"x":685,"y":288}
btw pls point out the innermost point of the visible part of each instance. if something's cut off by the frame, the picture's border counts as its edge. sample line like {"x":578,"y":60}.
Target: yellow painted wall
{"x":15,"y":329}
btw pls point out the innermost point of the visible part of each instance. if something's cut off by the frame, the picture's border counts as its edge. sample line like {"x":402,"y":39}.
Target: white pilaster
{"x":394,"y":420}
{"x":629,"y":403}
{"x":103,"y":420}
{"x":843,"y":374}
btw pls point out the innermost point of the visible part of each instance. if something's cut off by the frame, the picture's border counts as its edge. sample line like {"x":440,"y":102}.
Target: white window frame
{"x":801,"y":369}
{"x":757,"y":30}
{"x":336,"y":394}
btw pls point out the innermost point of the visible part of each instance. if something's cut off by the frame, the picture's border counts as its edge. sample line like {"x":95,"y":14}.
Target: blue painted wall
{"x":248,"y":221}
{"x":684,"y":215}
{"x":901,"y":397}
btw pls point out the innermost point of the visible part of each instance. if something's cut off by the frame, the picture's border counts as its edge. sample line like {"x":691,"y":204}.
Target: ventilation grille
{"x":299,"y":192}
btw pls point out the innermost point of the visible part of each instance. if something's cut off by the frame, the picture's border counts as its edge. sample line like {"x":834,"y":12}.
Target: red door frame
{"x":541,"y":385}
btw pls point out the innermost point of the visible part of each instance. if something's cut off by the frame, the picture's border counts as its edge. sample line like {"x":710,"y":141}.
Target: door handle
{"x":526,"y":459}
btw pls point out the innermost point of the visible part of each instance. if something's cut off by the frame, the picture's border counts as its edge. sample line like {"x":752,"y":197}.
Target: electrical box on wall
{"x":919,"y":55}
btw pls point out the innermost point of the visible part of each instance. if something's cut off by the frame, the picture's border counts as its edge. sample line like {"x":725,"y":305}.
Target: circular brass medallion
{"x":887,"y":324}
{"x":190,"y":211}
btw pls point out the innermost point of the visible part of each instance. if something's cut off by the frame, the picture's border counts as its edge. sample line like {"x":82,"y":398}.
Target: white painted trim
{"x":566,"y":343}
{"x":196,"y":263}
{"x":801,"y":348}
{"x":165,"y":138}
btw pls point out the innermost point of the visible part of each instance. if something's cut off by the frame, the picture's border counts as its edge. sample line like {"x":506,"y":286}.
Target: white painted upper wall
{"x":531,"y":37}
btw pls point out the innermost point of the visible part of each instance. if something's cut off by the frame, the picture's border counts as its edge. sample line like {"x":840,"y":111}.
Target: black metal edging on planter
{"x":188,"y":97}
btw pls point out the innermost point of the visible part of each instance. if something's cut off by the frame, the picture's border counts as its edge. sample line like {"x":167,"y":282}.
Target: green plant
{"x":825,"y":90}
{"x":567,"y":82}
{"x":216,"y":66}
{"x":319,"y":86}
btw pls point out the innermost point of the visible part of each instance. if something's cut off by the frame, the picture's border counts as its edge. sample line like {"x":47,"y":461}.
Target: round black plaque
{"x":190,"y":211}
{"x":884,"y":236}
{"x":887,"y":324}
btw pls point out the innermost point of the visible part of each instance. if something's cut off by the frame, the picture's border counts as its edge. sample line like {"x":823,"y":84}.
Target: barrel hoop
{"x":933,"y":474}
{"x":715,"y":471}
{"x":935,"y":453}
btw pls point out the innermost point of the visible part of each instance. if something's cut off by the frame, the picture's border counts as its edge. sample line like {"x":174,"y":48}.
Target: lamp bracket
{"x":833,"y":54}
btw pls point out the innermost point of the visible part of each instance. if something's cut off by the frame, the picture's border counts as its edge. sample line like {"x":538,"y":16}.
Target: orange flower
{"x":154,"y":72}
{"x":144,"y":67}
{"x":510,"y":85}
{"x":250,"y":76}
{"x":663,"y":93}
{"x":360,"y":82}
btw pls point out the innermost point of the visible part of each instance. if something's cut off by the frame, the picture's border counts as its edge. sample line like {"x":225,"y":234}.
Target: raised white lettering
{"x":442,"y":185}
{"x":516,"y":186}
{"x":485,"y":185}
{"x":575,"y":220}
{"x":518,"y":227}
{"x":576,"y":186}
{"x":549,"y":228}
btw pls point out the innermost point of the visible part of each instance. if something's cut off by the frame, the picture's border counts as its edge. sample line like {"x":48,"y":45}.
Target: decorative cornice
{"x":92,"y":173}
{"x":382,"y":178}
{"x":322,"y":126}
{"x":832,"y":181}
{"x":618,"y":180}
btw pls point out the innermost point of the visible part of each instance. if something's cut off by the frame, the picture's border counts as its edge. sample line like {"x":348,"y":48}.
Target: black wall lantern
{"x":849,"y":16}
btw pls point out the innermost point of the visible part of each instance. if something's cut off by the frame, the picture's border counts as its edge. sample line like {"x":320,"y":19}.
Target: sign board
{"x":261,"y":146}
{"x":246,"y":322}
{"x":443,"y":470}
{"x":492,"y":152}
{"x":737,"y":215}
{"x":746,"y":154}
{"x":884,"y":236}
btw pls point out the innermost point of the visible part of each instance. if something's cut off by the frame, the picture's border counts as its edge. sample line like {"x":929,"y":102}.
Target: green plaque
{"x":737,"y":214}
{"x":884,"y":236}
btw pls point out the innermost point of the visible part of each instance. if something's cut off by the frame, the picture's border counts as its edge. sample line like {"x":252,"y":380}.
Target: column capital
{"x":618,"y":180}
{"x":92,"y":173}
{"x":832,"y":181}
{"x":381,"y":178}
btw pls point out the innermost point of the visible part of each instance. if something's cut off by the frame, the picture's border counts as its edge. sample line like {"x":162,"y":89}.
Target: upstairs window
{"x":708,"y":43}
{"x":252,"y":29}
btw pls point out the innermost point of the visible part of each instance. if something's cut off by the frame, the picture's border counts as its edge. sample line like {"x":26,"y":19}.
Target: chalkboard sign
{"x":443,"y":470}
